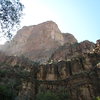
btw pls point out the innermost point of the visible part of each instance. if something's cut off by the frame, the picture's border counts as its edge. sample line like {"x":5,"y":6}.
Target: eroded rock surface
{"x":79,"y":76}
{"x":69,"y":51}
{"x":38,"y":42}
{"x":69,"y":65}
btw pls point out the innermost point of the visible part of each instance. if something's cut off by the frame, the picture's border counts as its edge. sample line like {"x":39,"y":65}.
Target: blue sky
{"x":78,"y":17}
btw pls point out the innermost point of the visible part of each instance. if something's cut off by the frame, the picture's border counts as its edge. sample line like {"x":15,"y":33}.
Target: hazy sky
{"x":79,"y":17}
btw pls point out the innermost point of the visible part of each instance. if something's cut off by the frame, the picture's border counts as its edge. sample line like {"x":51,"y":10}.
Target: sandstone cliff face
{"x":79,"y":76}
{"x":97,"y":47}
{"x":69,"y":51}
{"x":69,"y":38}
{"x":72,"y":66}
{"x":38,"y":42}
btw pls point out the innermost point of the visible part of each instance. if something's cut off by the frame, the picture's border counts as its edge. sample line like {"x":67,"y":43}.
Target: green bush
{"x":52,"y":96}
{"x":6,"y":92}
{"x":3,"y":73}
{"x":47,"y":96}
{"x":97,"y":98}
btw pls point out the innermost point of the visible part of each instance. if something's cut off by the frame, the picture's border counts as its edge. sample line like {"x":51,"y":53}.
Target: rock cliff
{"x":68,"y":51}
{"x":38,"y":42}
{"x":64,"y":65}
{"x":23,"y":79}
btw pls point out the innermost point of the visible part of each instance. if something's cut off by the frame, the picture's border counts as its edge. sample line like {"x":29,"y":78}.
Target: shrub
{"x":97,"y":98}
{"x":52,"y":96}
{"x":47,"y":96}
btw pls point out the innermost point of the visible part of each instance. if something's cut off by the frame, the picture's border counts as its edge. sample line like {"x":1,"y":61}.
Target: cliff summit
{"x":38,"y":42}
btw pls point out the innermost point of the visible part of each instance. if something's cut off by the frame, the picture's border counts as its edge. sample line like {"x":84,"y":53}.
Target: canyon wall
{"x":40,"y":58}
{"x":79,"y":76}
{"x":37,"y":42}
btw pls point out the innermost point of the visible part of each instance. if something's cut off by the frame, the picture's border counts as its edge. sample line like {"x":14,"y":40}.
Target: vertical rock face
{"x":79,"y":77}
{"x":69,"y":38}
{"x":68,"y":51}
{"x":38,"y":42}
{"x":97,"y":47}
{"x":73,"y":67}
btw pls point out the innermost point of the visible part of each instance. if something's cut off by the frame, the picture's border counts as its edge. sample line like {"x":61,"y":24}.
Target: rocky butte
{"x":40,"y":59}
{"x":38,"y":42}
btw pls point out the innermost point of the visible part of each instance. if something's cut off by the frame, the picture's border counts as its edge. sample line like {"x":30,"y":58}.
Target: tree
{"x":50,"y":95}
{"x":10,"y":15}
{"x":47,"y":96}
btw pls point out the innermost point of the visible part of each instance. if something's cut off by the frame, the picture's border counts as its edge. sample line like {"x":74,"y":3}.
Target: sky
{"x":78,"y":17}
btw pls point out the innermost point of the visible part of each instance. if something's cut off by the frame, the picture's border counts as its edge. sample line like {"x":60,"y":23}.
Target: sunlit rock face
{"x":97,"y":47}
{"x":78,"y":75}
{"x":38,"y":42}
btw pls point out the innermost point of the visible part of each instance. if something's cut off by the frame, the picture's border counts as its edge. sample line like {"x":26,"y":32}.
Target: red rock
{"x":38,"y":42}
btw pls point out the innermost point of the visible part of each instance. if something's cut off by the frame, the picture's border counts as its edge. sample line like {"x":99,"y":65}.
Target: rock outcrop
{"x":23,"y":79}
{"x":69,"y":51}
{"x":38,"y":42}
{"x":69,"y":66}
{"x":97,"y":47}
